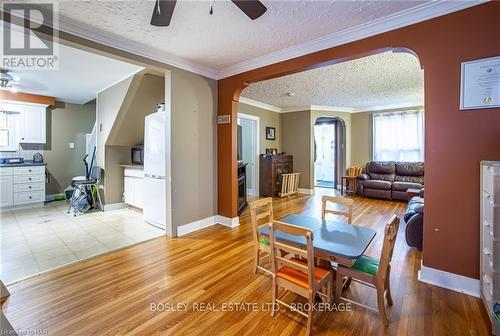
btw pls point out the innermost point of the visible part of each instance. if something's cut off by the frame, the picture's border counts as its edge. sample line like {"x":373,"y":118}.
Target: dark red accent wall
{"x":455,"y":141}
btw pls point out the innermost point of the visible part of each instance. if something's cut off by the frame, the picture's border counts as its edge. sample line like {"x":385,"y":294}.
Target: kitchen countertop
{"x":130,"y":165}
{"x":24,"y":164}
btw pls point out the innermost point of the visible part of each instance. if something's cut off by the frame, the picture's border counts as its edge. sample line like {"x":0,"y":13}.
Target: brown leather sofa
{"x":390,"y":180}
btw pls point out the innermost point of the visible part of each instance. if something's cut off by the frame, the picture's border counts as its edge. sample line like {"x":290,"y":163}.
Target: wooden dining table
{"x":332,"y":240}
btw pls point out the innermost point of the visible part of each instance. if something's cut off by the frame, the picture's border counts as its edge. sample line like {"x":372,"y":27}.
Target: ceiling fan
{"x":164,"y":9}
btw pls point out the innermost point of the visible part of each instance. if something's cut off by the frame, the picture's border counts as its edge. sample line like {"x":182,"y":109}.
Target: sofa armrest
{"x":363,"y":177}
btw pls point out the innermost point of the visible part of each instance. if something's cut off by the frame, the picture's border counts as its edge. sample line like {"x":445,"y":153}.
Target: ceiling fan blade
{"x":252,"y":8}
{"x":162,"y":13}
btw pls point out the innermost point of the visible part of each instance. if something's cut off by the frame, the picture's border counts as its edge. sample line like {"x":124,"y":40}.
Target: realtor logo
{"x":28,"y":34}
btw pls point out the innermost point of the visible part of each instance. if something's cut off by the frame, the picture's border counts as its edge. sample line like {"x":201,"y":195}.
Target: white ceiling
{"x":228,"y":42}
{"x":382,"y":81}
{"x":80,"y":75}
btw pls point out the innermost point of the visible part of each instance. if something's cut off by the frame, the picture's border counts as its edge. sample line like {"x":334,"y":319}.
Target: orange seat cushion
{"x":298,"y":277}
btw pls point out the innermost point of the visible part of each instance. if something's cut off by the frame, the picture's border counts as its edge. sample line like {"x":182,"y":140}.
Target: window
{"x":398,"y":136}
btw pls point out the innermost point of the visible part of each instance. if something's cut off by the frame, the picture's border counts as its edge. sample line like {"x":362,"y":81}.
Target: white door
{"x":6,"y":192}
{"x":33,"y":123}
{"x":328,"y":156}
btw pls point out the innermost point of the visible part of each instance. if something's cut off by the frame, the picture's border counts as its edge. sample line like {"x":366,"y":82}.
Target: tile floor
{"x":34,"y":240}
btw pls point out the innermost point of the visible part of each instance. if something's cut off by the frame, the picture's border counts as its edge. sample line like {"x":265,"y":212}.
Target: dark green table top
{"x":330,"y":237}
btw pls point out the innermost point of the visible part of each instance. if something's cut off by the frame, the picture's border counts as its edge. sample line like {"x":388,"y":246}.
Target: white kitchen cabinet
{"x":32,"y":124}
{"x":22,"y":186}
{"x":134,"y":187}
{"x":6,"y":191}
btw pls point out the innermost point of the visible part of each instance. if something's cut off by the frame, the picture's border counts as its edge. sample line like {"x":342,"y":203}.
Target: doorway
{"x":325,"y":155}
{"x":248,"y":152}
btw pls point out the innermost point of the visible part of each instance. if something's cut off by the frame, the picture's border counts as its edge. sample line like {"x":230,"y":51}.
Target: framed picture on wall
{"x":480,"y":84}
{"x":270,"y":133}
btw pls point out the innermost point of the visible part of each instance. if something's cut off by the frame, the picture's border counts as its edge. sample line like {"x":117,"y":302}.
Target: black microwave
{"x":137,"y":155}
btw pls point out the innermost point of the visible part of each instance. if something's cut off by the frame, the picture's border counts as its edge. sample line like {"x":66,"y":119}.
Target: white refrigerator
{"x":155,"y":172}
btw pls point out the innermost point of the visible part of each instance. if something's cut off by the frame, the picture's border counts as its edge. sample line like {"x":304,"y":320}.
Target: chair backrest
{"x":261,"y":213}
{"x":280,"y":249}
{"x":96,"y":174}
{"x":346,"y":203}
{"x":390,"y":235}
{"x":354,"y":171}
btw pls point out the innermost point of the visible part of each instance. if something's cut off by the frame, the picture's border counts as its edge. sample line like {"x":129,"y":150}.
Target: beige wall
{"x":361,"y":138}
{"x":66,"y":123}
{"x":143,"y":96}
{"x":113,"y":174}
{"x":109,"y":103}
{"x":194,"y":174}
{"x":267,"y":119}
{"x":296,"y":140}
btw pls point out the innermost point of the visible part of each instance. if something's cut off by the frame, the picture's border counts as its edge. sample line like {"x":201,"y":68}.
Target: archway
{"x":441,"y":47}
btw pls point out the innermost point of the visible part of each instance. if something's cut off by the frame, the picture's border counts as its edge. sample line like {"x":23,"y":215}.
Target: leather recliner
{"x":414,"y":219}
{"x":390,"y":180}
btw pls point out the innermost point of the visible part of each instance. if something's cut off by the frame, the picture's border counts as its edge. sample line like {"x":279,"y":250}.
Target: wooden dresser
{"x":271,"y":168}
{"x":490,"y":240}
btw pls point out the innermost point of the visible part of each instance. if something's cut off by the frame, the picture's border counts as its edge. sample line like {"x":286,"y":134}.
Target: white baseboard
{"x":115,"y":206}
{"x":454,"y":282}
{"x":229,"y":222}
{"x":195,"y":226}
{"x":306,"y":191}
{"x":207,"y":222}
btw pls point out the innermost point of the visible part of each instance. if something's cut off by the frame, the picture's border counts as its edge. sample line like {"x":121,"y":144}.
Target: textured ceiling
{"x":382,"y":80}
{"x":228,"y":37}
{"x":80,"y":75}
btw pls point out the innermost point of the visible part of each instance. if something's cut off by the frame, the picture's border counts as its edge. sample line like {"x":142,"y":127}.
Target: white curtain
{"x":398,"y":136}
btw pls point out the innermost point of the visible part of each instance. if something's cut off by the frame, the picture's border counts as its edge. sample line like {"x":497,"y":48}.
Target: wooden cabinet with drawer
{"x":271,"y":168}
{"x":489,"y":233}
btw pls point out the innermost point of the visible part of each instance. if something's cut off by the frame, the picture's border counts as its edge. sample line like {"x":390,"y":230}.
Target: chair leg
{"x":256,"y":261}
{"x":381,"y":305}
{"x":275,"y":295}
{"x":99,"y":197}
{"x":388,"y":295}
{"x":329,"y":289}
{"x":310,"y":314}
{"x":338,"y":288}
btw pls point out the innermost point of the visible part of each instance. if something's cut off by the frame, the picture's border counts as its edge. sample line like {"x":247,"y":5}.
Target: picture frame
{"x":270,"y":133}
{"x":480,"y":84}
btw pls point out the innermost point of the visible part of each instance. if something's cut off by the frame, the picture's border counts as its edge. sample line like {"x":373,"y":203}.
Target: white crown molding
{"x":415,"y":104}
{"x":374,"y":108}
{"x":401,"y":19}
{"x":426,"y":11}
{"x":259,"y":104}
{"x":332,"y":108}
{"x":122,"y":43}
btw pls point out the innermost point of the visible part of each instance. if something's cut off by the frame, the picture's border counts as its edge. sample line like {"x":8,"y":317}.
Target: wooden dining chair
{"x":261,"y":214}
{"x":372,"y":272}
{"x":298,"y":274}
{"x":346,"y":205}
{"x":350,"y":180}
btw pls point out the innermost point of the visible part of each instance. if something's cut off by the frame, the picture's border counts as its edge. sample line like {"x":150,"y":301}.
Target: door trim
{"x":255,"y":169}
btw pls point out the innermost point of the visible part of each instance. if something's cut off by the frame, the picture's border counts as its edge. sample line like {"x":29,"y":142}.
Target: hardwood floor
{"x":113,"y":294}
